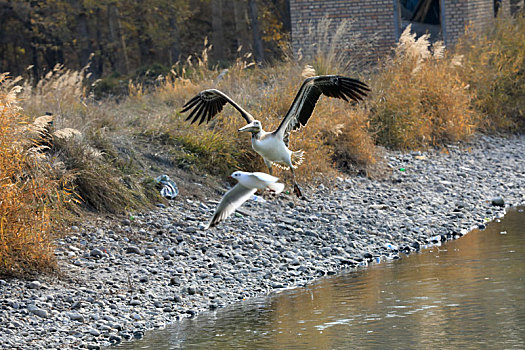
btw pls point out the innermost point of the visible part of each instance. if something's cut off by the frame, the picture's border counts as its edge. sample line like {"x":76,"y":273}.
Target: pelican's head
{"x":253,"y":127}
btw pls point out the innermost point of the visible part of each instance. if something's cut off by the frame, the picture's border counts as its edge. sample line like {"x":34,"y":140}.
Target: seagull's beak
{"x":250,"y":127}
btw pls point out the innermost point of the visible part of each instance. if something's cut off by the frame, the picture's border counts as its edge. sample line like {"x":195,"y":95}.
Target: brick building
{"x":383,"y":21}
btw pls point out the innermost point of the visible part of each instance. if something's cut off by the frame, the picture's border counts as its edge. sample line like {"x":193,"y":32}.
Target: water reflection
{"x":467,"y":294}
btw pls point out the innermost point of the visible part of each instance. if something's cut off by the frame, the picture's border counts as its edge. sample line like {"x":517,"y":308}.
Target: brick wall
{"x":372,"y":18}
{"x":456,"y":18}
{"x":476,"y":14}
{"x":378,"y":19}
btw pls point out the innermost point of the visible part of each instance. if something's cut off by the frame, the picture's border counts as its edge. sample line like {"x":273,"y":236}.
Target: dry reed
{"x":29,"y":199}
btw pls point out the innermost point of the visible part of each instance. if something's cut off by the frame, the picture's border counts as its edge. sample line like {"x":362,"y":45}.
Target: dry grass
{"x":495,"y":69}
{"x":419,"y":98}
{"x":30,"y":200}
{"x":89,"y":164}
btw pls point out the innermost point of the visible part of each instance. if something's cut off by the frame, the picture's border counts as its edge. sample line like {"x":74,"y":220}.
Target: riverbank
{"x":119,"y":279}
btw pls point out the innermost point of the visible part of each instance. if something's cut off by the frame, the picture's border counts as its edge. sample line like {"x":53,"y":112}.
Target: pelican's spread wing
{"x":312,"y":88}
{"x":208,"y":103}
{"x":232,"y":200}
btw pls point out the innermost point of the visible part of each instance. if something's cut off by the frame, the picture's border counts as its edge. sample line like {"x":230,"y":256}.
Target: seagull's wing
{"x":269,"y":181}
{"x":312,"y":88}
{"x":232,"y":200}
{"x":266,"y":178}
{"x":208,"y":103}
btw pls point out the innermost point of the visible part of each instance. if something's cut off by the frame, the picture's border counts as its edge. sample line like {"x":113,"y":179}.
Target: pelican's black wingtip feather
{"x":355,"y":94}
{"x":189,"y":105}
{"x":357,"y":90}
{"x":203,"y":116}
{"x":195,"y":108}
{"x":357,"y":84}
{"x":198,"y":113}
{"x":194,"y":98}
{"x":216,"y":219}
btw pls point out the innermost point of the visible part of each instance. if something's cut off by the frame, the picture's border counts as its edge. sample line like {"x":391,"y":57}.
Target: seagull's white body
{"x":255,"y":180}
{"x":248,"y":184}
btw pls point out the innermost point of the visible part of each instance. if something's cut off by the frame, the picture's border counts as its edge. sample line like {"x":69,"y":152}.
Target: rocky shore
{"x":121,"y":278}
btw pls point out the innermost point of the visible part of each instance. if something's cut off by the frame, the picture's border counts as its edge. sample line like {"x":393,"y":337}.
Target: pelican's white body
{"x":272,"y":148}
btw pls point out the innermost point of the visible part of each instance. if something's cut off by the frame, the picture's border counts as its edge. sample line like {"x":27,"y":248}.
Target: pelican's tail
{"x":280,"y":166}
{"x":297,"y":158}
{"x":276,"y":187}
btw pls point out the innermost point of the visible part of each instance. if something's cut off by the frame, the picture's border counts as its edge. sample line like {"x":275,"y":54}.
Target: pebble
{"x":149,"y":251}
{"x":125,"y":277}
{"x":94,"y":332}
{"x":115,"y":339}
{"x":97,"y":253}
{"x":34,"y":285}
{"x":37,"y":311}
{"x":75,"y":316}
{"x":498,"y":201}
{"x":133,"y":249}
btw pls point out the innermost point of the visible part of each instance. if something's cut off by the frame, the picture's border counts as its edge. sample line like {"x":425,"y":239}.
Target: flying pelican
{"x":247,"y":184}
{"x":273,"y":146}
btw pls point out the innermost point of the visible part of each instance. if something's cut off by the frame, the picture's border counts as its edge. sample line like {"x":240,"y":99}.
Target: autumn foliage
{"x":495,"y":71}
{"x":419,"y":97}
{"x":26,"y":213}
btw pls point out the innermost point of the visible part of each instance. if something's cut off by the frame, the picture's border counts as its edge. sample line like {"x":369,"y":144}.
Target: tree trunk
{"x":34,"y":57}
{"x":84,"y":43}
{"x":257,"y":40}
{"x":174,"y":51}
{"x":117,"y":39}
{"x":217,"y":29}
{"x":241,"y":23}
{"x":97,"y":62}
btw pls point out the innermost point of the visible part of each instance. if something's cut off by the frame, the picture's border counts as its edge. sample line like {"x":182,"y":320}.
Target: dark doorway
{"x":423,"y":15}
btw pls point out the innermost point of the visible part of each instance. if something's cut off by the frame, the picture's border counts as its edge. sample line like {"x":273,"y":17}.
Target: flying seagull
{"x":273,"y":146}
{"x":247,"y":184}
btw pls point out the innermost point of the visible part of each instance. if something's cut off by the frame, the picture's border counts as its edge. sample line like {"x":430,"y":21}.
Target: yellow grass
{"x":419,"y":98}
{"x":28,"y":200}
{"x":495,"y":69}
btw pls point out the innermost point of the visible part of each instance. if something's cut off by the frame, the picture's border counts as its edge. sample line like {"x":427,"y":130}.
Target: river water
{"x":465,"y":294}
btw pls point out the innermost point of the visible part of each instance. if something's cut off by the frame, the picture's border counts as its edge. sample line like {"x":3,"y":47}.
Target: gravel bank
{"x":122,"y":278}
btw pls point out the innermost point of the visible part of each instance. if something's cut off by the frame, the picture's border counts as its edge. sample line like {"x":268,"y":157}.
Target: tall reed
{"x":29,"y":199}
{"x":419,"y":98}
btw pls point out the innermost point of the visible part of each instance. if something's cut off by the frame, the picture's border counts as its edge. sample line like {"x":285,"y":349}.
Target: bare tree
{"x":219,"y":46}
{"x":256,"y":34}
{"x":241,"y":23}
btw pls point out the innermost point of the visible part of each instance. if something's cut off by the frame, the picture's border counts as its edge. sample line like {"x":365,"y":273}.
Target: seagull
{"x":247,"y":184}
{"x":273,"y":146}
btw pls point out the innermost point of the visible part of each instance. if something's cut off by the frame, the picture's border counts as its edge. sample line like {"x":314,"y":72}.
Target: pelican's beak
{"x":250,"y":127}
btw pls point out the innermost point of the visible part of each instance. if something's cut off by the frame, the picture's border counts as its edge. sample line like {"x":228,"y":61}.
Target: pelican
{"x":247,"y":184}
{"x":273,"y":146}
